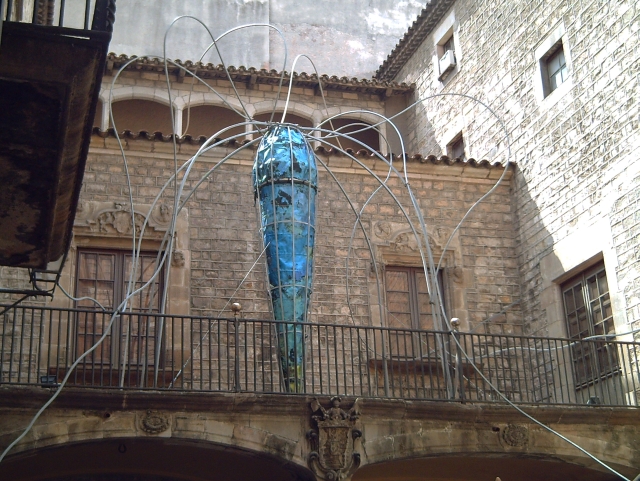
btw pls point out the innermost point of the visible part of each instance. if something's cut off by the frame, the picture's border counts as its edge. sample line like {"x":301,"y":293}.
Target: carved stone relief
{"x":515,"y":435}
{"x":399,"y":238}
{"x":332,"y":456}
{"x":177,"y":259}
{"x":154,"y":422}
{"x":111,"y":219}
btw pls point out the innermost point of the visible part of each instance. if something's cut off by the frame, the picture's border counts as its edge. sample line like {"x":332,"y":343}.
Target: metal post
{"x":236,"y":308}
{"x":459,"y":378}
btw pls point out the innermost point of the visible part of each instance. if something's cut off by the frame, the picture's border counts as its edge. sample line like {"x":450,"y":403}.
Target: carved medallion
{"x":383,"y":230}
{"x":154,"y":422}
{"x":333,"y":457}
{"x":515,"y":435}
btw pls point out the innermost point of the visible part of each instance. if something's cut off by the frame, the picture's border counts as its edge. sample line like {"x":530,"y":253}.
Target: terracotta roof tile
{"x":321,"y":150}
{"x":407,"y":46}
{"x":250,"y":75}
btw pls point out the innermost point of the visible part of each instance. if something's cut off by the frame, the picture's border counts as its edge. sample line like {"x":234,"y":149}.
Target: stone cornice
{"x":249,"y":403}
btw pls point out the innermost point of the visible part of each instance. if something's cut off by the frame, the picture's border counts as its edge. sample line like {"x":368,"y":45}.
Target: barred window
{"x":588,"y":313}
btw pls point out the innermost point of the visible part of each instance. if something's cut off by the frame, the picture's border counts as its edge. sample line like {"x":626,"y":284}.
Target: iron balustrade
{"x":38,"y":345}
{"x":96,"y":15}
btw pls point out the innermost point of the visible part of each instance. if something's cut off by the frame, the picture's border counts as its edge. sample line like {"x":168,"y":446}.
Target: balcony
{"x":39,"y":345}
{"x":50,"y":77}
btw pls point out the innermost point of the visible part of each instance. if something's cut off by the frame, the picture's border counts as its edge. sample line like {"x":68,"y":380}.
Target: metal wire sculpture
{"x":285,"y":179}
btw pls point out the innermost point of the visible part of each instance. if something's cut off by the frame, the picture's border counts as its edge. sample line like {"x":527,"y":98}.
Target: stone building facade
{"x":565,"y":211}
{"x":575,"y":148}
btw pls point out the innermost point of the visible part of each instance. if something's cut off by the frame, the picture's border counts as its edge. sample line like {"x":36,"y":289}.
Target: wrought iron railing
{"x":163,"y":352}
{"x":96,"y":15}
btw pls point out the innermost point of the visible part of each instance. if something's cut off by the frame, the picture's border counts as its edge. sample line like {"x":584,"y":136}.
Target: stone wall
{"x":218,"y":253}
{"x":222,"y":219}
{"x":576,"y":150}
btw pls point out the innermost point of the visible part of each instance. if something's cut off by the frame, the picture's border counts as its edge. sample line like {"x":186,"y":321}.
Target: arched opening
{"x":138,"y":114}
{"x":479,"y":468}
{"x":207,"y":120}
{"x":290,"y":119}
{"x":353,"y":128}
{"x":148,"y":459}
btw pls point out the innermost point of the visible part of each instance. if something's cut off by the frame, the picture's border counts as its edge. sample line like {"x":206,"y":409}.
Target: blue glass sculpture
{"x":285,"y":178}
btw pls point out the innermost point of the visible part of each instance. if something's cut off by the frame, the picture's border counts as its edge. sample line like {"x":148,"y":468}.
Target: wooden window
{"x":588,"y":313}
{"x":104,"y":275}
{"x":409,"y":308}
{"x":408,"y":302}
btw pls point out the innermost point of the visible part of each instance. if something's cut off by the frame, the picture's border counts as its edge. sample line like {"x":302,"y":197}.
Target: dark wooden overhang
{"x":49,"y":84}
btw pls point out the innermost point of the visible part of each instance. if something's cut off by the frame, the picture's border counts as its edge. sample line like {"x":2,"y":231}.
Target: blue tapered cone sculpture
{"x":285,"y":179}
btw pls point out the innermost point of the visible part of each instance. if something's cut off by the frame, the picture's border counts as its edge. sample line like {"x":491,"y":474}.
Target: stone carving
{"x":154,"y":422}
{"x":457,"y":275}
{"x":177,"y":259}
{"x":119,"y":221}
{"x":333,"y":457}
{"x":404,"y":243}
{"x":114,"y":219}
{"x":165,"y":213}
{"x":515,"y":435}
{"x":383,"y":230}
{"x":441,"y":235}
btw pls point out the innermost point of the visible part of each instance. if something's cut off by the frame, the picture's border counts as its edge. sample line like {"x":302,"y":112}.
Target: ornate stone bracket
{"x":332,"y":456}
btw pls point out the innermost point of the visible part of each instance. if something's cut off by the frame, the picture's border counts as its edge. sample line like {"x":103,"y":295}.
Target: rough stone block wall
{"x":576,"y":155}
{"x":225,"y":244}
{"x":625,"y":220}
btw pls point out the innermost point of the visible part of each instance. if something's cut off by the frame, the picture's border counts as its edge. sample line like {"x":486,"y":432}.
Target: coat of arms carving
{"x":333,"y":457}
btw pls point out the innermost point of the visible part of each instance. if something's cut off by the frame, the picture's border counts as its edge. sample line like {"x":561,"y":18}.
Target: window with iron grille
{"x":588,"y":313}
{"x":104,"y":275}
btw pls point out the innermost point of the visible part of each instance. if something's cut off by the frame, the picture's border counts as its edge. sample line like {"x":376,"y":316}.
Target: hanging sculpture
{"x":285,"y":179}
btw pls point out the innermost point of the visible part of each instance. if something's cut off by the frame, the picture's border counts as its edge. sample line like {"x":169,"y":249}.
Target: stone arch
{"x":480,"y":467}
{"x":149,"y":459}
{"x":371,"y":138}
{"x":282,"y":441}
{"x":503,"y":440}
{"x":159,"y":118}
{"x":142,"y":114}
{"x":208,"y":98}
{"x":207,"y":119}
{"x":134,"y":92}
{"x":301,"y":110}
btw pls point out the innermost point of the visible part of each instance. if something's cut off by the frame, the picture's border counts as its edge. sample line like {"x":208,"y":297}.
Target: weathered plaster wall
{"x":342,"y":38}
{"x":576,"y":150}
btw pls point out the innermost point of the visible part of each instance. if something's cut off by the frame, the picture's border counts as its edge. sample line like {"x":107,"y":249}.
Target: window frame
{"x":109,"y":353}
{"x":442,"y":34}
{"x":546,"y":48}
{"x":413,"y":294}
{"x":586,"y":356}
{"x":547,"y":75}
{"x":453,"y":145}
